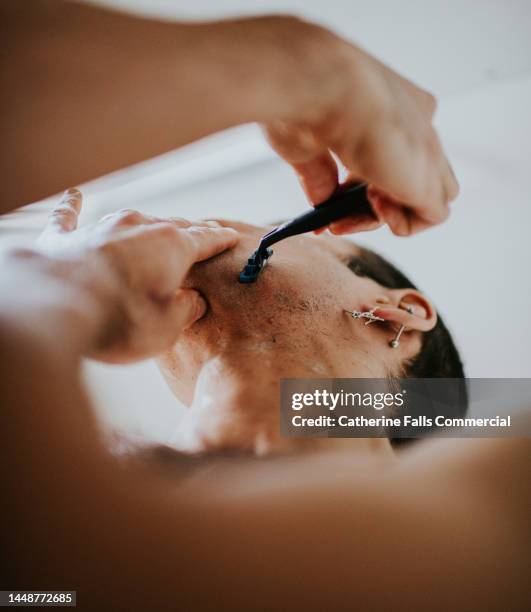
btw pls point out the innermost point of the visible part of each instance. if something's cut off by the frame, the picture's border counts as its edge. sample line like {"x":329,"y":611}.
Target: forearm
{"x":54,"y":467}
{"x":46,"y":325}
{"x":91,"y":91}
{"x":63,"y":304}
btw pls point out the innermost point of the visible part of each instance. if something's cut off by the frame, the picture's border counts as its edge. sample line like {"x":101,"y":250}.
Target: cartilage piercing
{"x":396,"y":340}
{"x":371,"y":318}
{"x":368,"y":314}
{"x":394,"y":343}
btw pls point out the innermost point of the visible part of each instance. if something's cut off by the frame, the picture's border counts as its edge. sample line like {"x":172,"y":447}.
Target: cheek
{"x":300,"y":292}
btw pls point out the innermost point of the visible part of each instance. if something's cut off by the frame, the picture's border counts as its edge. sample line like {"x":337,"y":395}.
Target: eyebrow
{"x":358,"y":265}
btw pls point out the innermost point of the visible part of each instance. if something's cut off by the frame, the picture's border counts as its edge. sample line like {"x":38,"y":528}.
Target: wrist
{"x":271,"y":68}
{"x":311,"y":68}
{"x":61,"y":303}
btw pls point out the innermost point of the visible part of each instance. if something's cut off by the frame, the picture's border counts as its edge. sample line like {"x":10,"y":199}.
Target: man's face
{"x":289,"y":323}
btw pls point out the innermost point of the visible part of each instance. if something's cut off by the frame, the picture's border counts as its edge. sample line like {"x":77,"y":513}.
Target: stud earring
{"x":395,"y":342}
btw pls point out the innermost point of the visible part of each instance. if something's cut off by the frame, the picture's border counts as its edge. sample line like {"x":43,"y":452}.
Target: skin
{"x":289,"y":324}
{"x":127,"y":535}
{"x":305,"y":530}
{"x":79,"y":76}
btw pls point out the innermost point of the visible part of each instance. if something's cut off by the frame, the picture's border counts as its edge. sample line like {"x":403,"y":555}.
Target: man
{"x":338,"y":524}
{"x":91,"y":91}
{"x":292,"y":324}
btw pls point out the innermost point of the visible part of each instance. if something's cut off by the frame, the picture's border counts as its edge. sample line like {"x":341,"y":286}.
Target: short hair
{"x":438,"y":356}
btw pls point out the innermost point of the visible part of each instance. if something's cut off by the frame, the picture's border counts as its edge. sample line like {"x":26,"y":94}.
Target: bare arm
{"x":87,"y":91}
{"x":441,"y":528}
{"x":277,"y":536}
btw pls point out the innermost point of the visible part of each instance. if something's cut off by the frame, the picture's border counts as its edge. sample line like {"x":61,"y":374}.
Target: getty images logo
{"x":342,"y":399}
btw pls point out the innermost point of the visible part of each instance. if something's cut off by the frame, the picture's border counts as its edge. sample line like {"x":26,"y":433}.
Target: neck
{"x":236,"y":405}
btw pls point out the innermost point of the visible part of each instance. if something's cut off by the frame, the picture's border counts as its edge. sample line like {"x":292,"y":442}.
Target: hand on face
{"x":379,"y":125}
{"x":142,"y":263}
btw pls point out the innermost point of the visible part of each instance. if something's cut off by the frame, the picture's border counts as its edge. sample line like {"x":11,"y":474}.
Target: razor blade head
{"x":255,"y":264}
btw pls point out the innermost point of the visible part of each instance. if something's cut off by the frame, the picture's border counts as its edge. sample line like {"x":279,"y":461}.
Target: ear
{"x":423,"y":317}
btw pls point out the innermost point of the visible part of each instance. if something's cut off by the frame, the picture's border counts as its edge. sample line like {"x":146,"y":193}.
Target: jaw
{"x":235,"y":405}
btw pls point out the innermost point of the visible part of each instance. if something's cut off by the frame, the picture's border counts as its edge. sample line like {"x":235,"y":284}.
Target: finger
{"x":127,"y":218}
{"x":451,"y":186}
{"x":187,"y":307}
{"x":180,"y":222}
{"x":158,"y":328}
{"x":311,"y":160}
{"x":318,"y":177}
{"x":158,"y":256}
{"x":207,"y":223}
{"x":201,"y":243}
{"x":349,"y":225}
{"x":180,"y":311}
{"x":400,"y":219}
{"x":64,"y":216}
{"x":440,"y":184}
{"x":406,"y":170}
{"x":388,"y":210}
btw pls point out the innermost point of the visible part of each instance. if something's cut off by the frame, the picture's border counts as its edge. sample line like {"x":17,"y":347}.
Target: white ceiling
{"x":446,"y":46}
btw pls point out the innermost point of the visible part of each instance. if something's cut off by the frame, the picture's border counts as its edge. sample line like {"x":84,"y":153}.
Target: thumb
{"x":318,"y":177}
{"x":63,"y":218}
{"x":312,"y":161}
{"x":65,"y":215}
{"x":187,"y":306}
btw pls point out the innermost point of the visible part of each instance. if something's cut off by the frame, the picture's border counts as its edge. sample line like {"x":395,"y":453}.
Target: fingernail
{"x":71,"y":191}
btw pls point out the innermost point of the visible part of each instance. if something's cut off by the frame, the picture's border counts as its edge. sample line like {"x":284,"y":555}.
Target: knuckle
{"x":179,"y":221}
{"x":444,"y":213}
{"x":199,"y":234}
{"x":127,"y":216}
{"x":432,"y":145}
{"x":452,"y":189}
{"x":187,"y":240}
{"x":430,"y":102}
{"x":166,"y":230}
